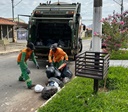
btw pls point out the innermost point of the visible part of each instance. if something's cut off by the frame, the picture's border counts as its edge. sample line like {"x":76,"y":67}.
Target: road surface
{"x":14,"y":95}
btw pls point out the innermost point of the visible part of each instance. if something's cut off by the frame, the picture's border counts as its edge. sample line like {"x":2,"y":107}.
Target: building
{"x":21,"y":29}
{"x":8,"y":29}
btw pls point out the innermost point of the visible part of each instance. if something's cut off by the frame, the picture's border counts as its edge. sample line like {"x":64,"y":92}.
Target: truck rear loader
{"x":55,"y":23}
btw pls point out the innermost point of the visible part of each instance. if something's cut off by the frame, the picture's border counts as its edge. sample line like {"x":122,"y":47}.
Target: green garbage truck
{"x":59,"y":23}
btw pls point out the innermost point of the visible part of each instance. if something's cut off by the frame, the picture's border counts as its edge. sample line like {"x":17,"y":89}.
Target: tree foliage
{"x":115,"y":31}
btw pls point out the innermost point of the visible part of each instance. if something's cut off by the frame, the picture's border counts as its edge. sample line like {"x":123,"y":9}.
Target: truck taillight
{"x":70,"y":12}
{"x":38,"y":12}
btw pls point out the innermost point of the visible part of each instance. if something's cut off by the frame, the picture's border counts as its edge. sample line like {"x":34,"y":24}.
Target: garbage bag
{"x":66,"y":72}
{"x":66,"y":80}
{"x":54,"y":79}
{"x":61,"y":43}
{"x":50,"y":71}
{"x":57,"y":73}
{"x":38,"y":88}
{"x":48,"y":92}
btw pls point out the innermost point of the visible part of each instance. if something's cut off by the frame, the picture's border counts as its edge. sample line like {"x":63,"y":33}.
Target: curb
{"x":9,"y":52}
{"x":50,"y":99}
{"x":12,"y":48}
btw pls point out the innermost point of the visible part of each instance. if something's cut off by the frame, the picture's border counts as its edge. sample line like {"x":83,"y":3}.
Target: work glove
{"x":51,"y":64}
{"x":37,"y":66}
{"x":28,"y":71}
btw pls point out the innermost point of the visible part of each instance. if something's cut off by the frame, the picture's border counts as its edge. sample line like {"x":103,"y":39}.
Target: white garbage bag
{"x":38,"y":88}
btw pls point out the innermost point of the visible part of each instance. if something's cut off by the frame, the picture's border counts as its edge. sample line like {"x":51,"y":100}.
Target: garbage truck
{"x":59,"y":23}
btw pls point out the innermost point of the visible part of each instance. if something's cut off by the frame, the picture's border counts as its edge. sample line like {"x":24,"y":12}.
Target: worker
{"x":57,"y":56}
{"x":22,"y":58}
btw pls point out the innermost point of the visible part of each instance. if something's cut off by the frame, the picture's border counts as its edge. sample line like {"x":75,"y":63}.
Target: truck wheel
{"x":74,"y":57}
{"x":80,"y":45}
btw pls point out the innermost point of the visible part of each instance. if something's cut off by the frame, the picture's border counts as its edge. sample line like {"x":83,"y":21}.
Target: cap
{"x":31,"y":45}
{"x":53,"y":46}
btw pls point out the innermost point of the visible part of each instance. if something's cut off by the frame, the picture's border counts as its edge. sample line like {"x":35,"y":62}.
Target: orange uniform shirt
{"x":57,"y":56}
{"x":28,"y":54}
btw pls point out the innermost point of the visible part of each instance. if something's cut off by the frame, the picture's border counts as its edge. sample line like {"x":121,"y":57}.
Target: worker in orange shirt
{"x":22,"y":58}
{"x":57,"y":56}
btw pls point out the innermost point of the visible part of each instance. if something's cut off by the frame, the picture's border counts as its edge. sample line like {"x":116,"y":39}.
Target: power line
{"x":18,"y":2}
{"x":121,"y":4}
{"x":117,"y":2}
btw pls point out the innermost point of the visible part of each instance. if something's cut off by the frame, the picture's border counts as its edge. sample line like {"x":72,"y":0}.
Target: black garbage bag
{"x":66,"y":80}
{"x":54,"y":79}
{"x":48,"y":92}
{"x":50,"y":71}
{"x":61,"y":43}
{"x":66,"y":72}
{"x":57,"y":74}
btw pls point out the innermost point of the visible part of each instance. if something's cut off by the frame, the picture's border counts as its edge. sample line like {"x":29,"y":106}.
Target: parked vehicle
{"x":55,"y":23}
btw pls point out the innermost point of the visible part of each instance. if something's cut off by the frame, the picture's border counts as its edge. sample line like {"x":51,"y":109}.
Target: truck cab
{"x":55,"y":23}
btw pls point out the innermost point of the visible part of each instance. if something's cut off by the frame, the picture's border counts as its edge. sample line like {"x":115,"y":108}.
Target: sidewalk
{"x":20,"y":44}
{"x":12,"y":47}
{"x":123,"y":63}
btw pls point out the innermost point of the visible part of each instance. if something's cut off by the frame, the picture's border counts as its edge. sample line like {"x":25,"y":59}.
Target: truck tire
{"x":80,"y":45}
{"x":74,"y":57}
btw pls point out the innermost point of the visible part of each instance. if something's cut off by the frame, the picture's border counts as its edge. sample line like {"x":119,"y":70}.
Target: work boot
{"x":21,"y":79}
{"x":31,"y":86}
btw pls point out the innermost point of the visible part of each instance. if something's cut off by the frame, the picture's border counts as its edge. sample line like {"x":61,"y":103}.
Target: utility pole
{"x":13,"y":10}
{"x":13,"y":40}
{"x":121,"y":4}
{"x":97,"y":26}
{"x":96,"y":41}
{"x":122,"y":7}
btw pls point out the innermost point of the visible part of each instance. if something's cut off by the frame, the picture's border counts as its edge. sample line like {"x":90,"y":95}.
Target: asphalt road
{"x":14,"y":95}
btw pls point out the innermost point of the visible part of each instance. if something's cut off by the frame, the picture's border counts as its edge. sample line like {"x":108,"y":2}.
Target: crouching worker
{"x":57,"y":56}
{"x":22,"y":58}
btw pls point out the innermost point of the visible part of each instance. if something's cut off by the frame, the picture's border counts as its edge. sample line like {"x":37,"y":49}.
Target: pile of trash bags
{"x":56,"y":80}
{"x":49,"y":42}
{"x":60,"y":73}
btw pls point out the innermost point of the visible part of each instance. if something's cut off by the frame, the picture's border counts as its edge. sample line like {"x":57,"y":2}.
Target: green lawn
{"x":77,"y":95}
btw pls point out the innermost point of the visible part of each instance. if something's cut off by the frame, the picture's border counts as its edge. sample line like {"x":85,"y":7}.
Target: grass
{"x":121,"y":54}
{"x":77,"y":96}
